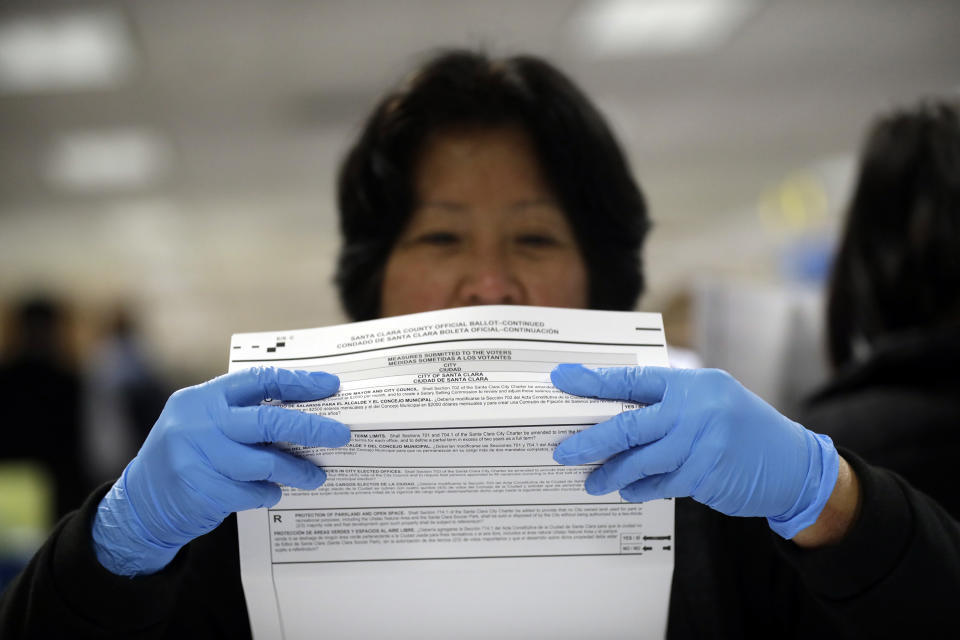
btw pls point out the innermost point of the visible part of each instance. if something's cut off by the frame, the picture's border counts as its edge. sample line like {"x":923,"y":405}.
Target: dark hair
{"x":36,"y":327}
{"x":580,"y":158}
{"x":898,"y":265}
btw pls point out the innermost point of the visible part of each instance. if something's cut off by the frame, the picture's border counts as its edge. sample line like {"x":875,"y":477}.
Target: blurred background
{"x":167,"y":172}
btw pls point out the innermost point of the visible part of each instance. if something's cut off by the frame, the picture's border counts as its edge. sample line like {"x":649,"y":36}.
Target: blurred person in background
{"x":893,"y":316}
{"x":482,"y":181}
{"x":122,"y":397}
{"x":40,"y":416}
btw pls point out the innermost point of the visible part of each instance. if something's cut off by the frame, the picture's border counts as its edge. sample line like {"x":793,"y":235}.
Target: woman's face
{"x":485,"y":229}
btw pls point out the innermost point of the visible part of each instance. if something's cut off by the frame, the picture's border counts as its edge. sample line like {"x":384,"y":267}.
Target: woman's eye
{"x":536,"y":240}
{"x":438,"y":238}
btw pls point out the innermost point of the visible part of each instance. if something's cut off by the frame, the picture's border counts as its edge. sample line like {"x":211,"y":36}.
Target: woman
{"x":893,"y":317}
{"x":493,"y":181}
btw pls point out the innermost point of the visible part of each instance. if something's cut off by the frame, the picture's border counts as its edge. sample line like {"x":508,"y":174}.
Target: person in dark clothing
{"x":37,"y":372}
{"x":893,"y":317}
{"x":495,"y":181}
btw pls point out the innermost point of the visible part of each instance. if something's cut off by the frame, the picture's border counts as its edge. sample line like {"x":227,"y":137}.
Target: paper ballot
{"x":446,"y":515}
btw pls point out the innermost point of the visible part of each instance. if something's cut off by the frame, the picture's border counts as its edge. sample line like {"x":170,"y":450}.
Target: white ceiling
{"x":258,"y":99}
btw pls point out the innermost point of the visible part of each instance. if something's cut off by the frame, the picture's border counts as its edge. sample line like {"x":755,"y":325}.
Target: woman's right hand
{"x":207,"y":456}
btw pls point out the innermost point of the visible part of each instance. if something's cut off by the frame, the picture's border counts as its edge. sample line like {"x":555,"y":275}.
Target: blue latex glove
{"x":205,"y":458}
{"x":703,"y":435}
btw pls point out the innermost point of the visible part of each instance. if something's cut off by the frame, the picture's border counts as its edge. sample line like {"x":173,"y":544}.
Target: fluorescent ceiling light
{"x":621,"y":28}
{"x":65,"y":51}
{"x":107,"y":160}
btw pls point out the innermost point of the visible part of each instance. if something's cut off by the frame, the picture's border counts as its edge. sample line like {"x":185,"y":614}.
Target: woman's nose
{"x":489,"y":279}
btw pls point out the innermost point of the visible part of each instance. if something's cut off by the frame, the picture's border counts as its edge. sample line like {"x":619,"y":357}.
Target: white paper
{"x":446,"y":515}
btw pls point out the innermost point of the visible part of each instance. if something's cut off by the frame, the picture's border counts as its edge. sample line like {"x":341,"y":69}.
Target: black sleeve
{"x":897,"y":573}
{"x":65,"y":592}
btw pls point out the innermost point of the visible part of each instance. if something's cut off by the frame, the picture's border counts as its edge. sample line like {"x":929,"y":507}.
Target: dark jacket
{"x":40,"y":423}
{"x":896,"y":574}
{"x":900,"y":409}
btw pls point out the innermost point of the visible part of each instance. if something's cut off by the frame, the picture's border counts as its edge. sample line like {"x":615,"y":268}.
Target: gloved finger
{"x":662,"y":456}
{"x":254,"y":495}
{"x":251,"y":386}
{"x":637,"y":384}
{"x":620,"y":433}
{"x":652,"y":488}
{"x":245,"y":463}
{"x":265,"y":423}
